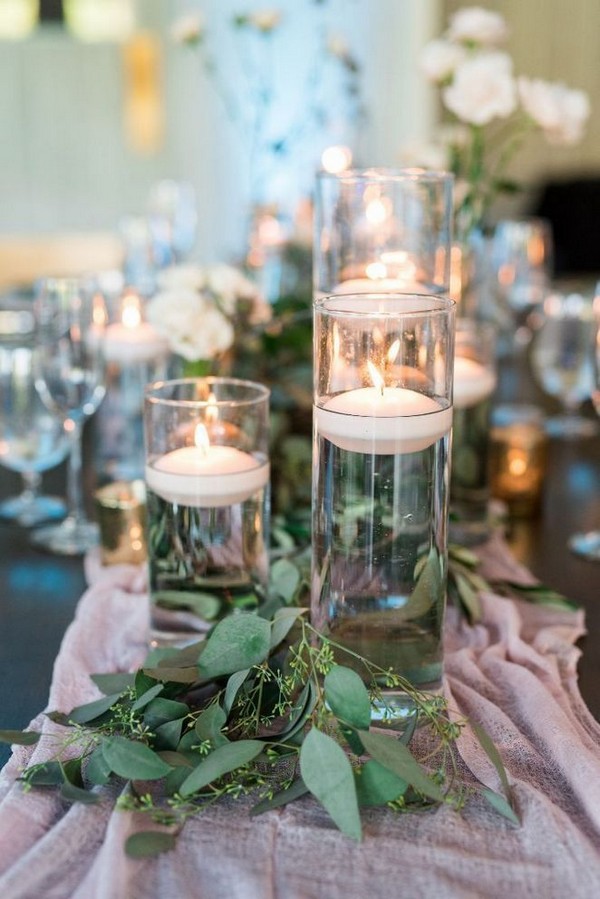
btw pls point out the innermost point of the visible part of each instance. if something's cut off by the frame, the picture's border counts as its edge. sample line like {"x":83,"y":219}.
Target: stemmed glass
{"x":562,"y":361}
{"x":588,"y":544}
{"x":31,"y":438}
{"x":522,"y":259}
{"x":71,"y":317}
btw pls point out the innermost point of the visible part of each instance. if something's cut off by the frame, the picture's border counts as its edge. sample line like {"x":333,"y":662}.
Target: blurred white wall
{"x":65,"y":162}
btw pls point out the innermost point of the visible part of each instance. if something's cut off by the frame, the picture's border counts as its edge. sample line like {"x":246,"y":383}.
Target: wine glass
{"x":522,"y":259}
{"x":562,"y":359}
{"x":587,"y":544}
{"x":31,"y":438}
{"x":71,"y":316}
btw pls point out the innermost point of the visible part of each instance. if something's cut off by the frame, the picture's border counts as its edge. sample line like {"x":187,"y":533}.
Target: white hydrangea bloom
{"x":482,"y":89}
{"x":473,"y":24}
{"x":558,"y":110}
{"x":193,"y":325}
{"x":440,"y":58}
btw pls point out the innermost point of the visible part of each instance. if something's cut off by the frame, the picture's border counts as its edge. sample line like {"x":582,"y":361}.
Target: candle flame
{"x":99,"y":313}
{"x":393,"y":351}
{"x":517,"y":463}
{"x":376,"y":271}
{"x":212,"y":410}
{"x":376,"y":377}
{"x":201,"y":438}
{"x":131,"y":313}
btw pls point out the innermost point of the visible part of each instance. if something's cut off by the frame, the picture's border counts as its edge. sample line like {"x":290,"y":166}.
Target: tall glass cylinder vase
{"x":383,"y":230}
{"x":474,"y":386}
{"x":207,"y":480}
{"x":382,"y":420}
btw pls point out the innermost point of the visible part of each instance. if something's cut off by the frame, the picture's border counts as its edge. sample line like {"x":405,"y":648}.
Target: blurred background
{"x":100,"y":100}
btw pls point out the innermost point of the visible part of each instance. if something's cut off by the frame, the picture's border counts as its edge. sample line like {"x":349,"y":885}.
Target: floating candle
{"x":206,"y":475}
{"x":132,"y":340}
{"x":473,"y":382}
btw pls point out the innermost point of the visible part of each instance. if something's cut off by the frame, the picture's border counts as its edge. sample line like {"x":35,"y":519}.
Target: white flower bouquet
{"x":203,"y":310}
{"x":494,"y":110}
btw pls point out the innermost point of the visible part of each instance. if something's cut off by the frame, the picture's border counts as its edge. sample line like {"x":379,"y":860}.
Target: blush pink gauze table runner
{"x":515,"y":673}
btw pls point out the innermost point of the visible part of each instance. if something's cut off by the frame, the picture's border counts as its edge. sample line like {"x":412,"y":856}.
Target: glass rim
{"x":439,"y":305}
{"x":389,"y":173}
{"x":261,"y":393}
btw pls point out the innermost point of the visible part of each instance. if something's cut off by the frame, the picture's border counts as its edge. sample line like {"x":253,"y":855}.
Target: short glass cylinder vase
{"x":383,"y":230}
{"x":474,"y":386}
{"x":207,"y":481}
{"x":382,"y":421}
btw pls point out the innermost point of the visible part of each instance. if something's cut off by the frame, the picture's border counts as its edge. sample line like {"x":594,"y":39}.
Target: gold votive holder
{"x":121,"y":513}
{"x":518,"y":455}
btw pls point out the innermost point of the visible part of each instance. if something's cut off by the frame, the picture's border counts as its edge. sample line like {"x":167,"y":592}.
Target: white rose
{"x":482,"y":89}
{"x":439,"y":59}
{"x":192,"y":324}
{"x":473,"y":24}
{"x":265,"y":19}
{"x":185,"y":277}
{"x":559,"y":111}
{"x":229,"y":285}
{"x":187,"y":29}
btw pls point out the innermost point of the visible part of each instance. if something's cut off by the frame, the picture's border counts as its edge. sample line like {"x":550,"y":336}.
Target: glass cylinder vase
{"x":383,"y":230}
{"x":207,"y":480}
{"x":382,"y":420}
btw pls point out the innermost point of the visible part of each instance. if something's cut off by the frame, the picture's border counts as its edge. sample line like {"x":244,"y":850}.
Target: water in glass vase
{"x":379,"y":558}
{"x":203,"y":563}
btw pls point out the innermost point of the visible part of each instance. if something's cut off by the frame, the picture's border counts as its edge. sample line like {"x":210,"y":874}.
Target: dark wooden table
{"x":39,"y":591}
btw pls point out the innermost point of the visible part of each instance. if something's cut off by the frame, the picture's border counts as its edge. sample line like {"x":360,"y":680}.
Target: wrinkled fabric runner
{"x":515,"y":673}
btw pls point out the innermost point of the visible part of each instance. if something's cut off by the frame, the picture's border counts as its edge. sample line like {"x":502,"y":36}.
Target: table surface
{"x":39,"y":591}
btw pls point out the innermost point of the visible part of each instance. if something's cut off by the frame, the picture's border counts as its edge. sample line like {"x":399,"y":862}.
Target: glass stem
{"x":74,"y":430}
{"x":31,"y":485}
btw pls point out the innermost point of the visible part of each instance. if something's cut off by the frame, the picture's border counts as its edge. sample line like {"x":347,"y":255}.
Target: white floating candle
{"x":206,"y":475}
{"x":132,"y":340}
{"x":395,"y":420}
{"x":473,"y":382}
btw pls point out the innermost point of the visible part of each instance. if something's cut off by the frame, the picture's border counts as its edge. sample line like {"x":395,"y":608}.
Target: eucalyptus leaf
{"x":71,"y":770}
{"x":160,"y":711}
{"x":209,"y":724}
{"x":239,"y":641}
{"x":293,"y":792}
{"x":19,"y":737}
{"x":147,"y":697}
{"x":492,"y":753}
{"x":168,"y":735}
{"x":175,"y":759}
{"x":204,"y":605}
{"x":233,"y":685}
{"x":59,"y":718}
{"x":174,"y":675}
{"x":113,"y":683}
{"x":76,"y":794}
{"x":427,"y":589}
{"x":283,"y":621}
{"x":376,"y":785}
{"x":497,"y":801}
{"x":284,"y":579}
{"x":48,"y":774}
{"x":98,"y":770}
{"x":468,"y":597}
{"x":83,"y":714}
{"x":328,"y":775}
{"x":133,"y":760}
{"x":221,"y":761}
{"x":148,"y":843}
{"x":396,"y":757}
{"x":463,"y":555}
{"x":182,"y":658}
{"x":347,"y":697}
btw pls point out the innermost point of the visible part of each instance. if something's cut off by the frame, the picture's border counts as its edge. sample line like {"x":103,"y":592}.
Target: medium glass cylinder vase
{"x":207,"y":480}
{"x":383,"y":230}
{"x":382,"y":421}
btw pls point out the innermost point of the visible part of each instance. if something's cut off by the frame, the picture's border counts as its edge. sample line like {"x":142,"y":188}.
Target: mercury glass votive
{"x":207,"y":479}
{"x":382,"y":230}
{"x":121,"y":514}
{"x":382,"y":420}
{"x":518,"y":455}
{"x":474,"y":385}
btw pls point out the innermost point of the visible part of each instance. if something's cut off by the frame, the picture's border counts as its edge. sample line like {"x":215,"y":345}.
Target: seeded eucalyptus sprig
{"x":260,"y":708}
